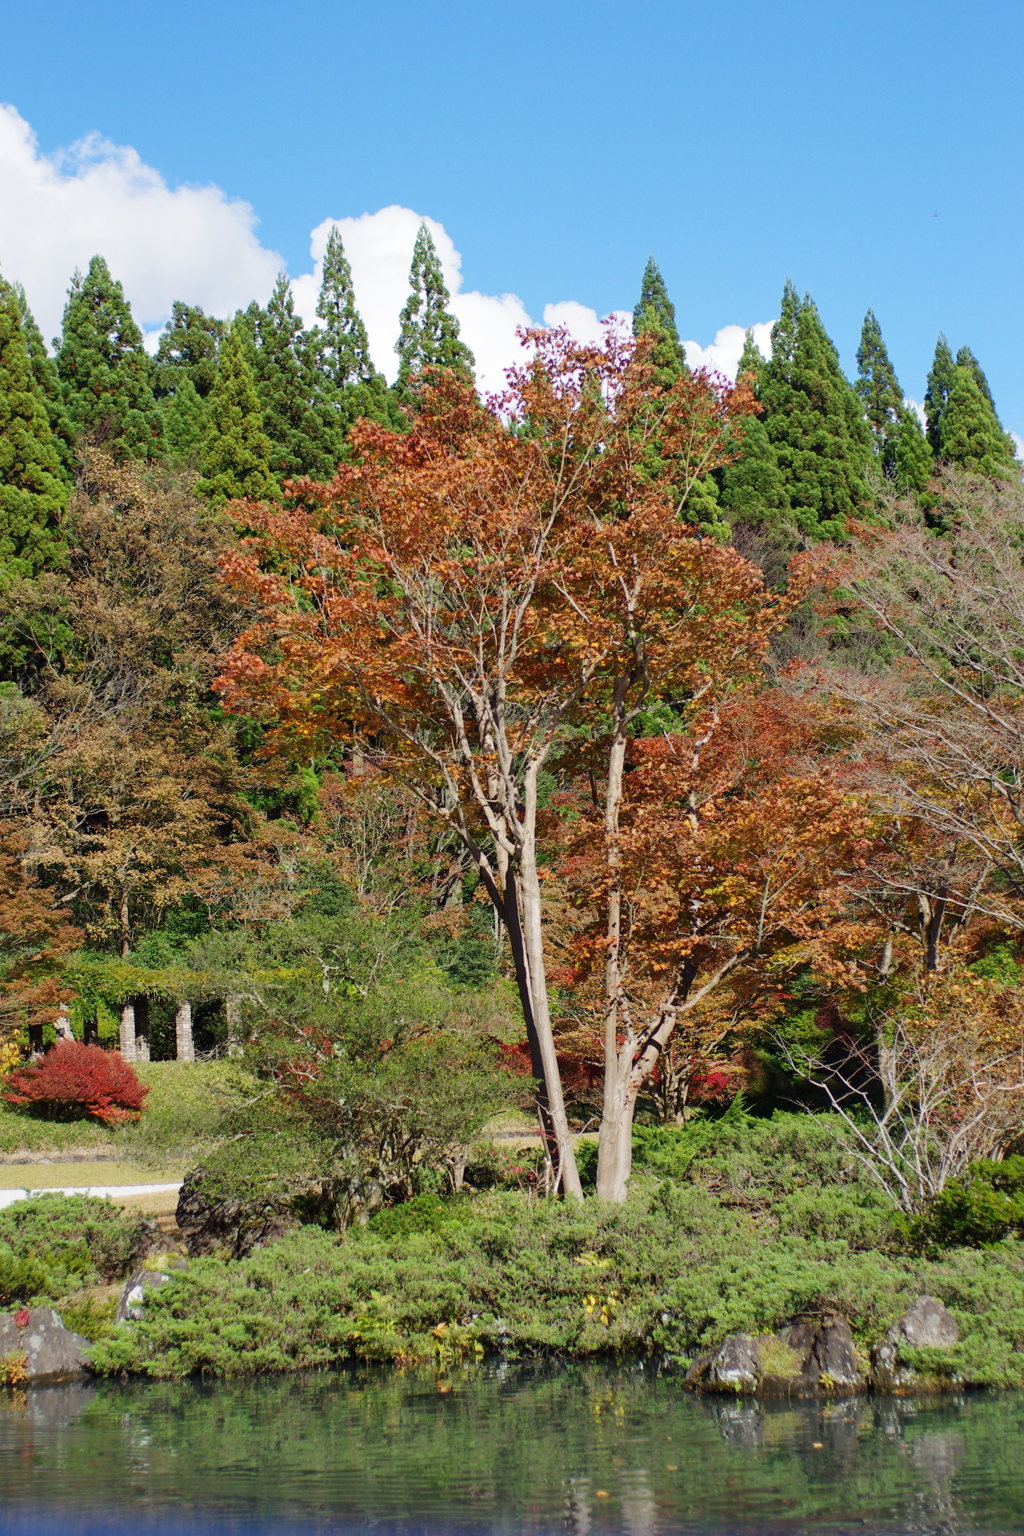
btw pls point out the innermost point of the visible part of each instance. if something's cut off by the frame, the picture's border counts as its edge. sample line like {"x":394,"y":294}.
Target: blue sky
{"x":870,"y":151}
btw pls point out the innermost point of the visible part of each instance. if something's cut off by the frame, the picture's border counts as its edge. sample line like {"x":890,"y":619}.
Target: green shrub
{"x":21,"y":1278}
{"x":92,"y":1318}
{"x":982,"y":1208}
{"x":76,"y":1240}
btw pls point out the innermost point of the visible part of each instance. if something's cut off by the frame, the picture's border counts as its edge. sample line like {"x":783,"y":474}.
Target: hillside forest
{"x":606,"y":749}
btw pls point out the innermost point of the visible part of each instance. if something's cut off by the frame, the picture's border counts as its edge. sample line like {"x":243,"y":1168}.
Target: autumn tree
{"x":937,"y":707}
{"x":475,"y":589}
{"x":34,"y":936}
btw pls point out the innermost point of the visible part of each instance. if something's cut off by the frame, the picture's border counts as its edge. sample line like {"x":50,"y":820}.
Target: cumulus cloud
{"x":723,"y":354}
{"x":164,"y":243}
{"x":583,"y":324}
{"x":198,"y":244}
{"x":1018,"y":444}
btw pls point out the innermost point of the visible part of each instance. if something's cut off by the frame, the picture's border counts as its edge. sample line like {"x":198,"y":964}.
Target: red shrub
{"x":75,"y":1079}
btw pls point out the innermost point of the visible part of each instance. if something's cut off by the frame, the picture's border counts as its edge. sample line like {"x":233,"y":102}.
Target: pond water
{"x":501,"y":1450}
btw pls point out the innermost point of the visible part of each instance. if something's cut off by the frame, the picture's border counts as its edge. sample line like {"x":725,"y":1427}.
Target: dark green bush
{"x":76,"y":1240}
{"x":982,"y":1208}
{"x":22,"y":1279}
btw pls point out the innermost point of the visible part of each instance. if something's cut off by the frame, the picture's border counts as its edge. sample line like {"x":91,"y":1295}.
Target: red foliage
{"x":79,"y":1078}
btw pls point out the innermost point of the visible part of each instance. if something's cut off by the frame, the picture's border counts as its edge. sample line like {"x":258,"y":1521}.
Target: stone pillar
{"x":184,"y":1045}
{"x":142,"y":1029}
{"x":62,"y":1024}
{"x":128,"y":1030}
{"x":233,"y":1016}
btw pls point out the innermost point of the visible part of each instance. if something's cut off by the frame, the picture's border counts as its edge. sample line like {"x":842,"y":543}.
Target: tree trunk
{"x":128,"y":1030}
{"x":567,"y":1174}
{"x":615,"y":1141}
{"x":184,"y":1046}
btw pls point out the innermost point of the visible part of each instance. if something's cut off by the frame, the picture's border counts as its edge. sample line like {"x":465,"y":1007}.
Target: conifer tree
{"x":752,"y":489}
{"x":429,"y":336}
{"x":913,"y":460}
{"x":970,"y":434}
{"x":345,"y":347}
{"x":186,"y":418}
{"x":940,"y":381}
{"x":355,"y":386}
{"x":44,"y":371}
{"x":305,"y":434}
{"x":880,"y":393}
{"x":33,"y":488}
{"x":813,"y":420}
{"x":236,"y":451}
{"x":965,"y":358}
{"x":655,"y":316}
{"x":104,"y":369}
{"x":187,"y":349}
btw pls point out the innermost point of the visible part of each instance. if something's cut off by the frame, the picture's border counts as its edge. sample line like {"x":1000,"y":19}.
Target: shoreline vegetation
{"x":734,"y":1226}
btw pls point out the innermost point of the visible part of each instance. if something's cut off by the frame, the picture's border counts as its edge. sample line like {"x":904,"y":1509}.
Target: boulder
{"x":229,"y":1226}
{"x":154,"y":1271}
{"x":51,"y":1351}
{"x":811,"y":1356}
{"x":733,"y":1367}
{"x":928,"y":1324}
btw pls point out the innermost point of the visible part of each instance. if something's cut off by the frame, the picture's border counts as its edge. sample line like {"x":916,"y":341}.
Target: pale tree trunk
{"x":567,"y":1174}
{"x":615,"y":1142}
{"x":184,"y":1046}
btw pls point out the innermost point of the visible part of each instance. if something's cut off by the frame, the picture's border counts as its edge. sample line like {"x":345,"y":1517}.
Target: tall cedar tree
{"x":940,"y":382}
{"x":44,"y":371}
{"x":186,"y":421}
{"x":236,"y":450}
{"x":429,"y":337}
{"x":965,"y":358}
{"x":104,"y":368}
{"x":188,"y":349}
{"x":814,"y":422}
{"x":357,"y":389}
{"x":33,"y":488}
{"x":969,"y":432}
{"x":752,"y":488}
{"x":654,"y":317}
{"x":880,"y":393}
{"x":914,"y":462}
{"x":305,"y":435}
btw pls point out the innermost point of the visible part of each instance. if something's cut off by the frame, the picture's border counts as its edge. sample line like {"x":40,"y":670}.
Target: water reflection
{"x":586,"y":1451}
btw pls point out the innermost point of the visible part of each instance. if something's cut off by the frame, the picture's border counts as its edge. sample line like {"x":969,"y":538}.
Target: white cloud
{"x":1018,"y":443}
{"x":164,"y":243}
{"x":724,"y":353}
{"x":583,"y":324}
{"x":197,"y":244}
{"x":918,"y":410}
